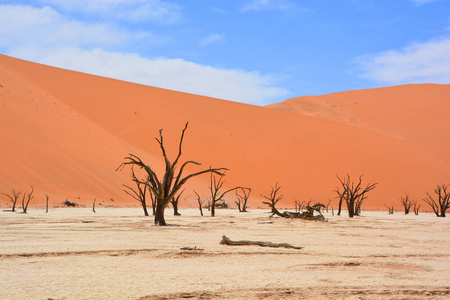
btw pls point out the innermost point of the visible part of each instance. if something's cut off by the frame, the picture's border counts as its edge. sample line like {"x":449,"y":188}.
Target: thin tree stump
{"x":227,"y":241}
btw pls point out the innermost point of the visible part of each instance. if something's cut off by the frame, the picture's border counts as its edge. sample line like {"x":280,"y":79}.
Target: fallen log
{"x":227,"y":241}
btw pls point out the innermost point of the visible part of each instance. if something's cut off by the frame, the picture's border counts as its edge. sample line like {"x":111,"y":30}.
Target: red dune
{"x":66,"y":132}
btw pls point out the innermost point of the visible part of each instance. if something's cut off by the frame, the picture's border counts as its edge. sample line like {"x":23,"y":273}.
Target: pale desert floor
{"x":116,"y":253}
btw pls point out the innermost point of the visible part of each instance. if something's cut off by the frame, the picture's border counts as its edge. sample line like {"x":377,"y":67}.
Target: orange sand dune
{"x":65,"y":132}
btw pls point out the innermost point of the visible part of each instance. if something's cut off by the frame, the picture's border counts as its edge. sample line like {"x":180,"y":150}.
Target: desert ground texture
{"x":117,"y":253}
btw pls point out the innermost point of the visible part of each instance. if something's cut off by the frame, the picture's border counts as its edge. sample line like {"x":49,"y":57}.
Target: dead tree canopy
{"x":242,"y":198}
{"x":139,"y":194}
{"x":442,"y":203}
{"x":353,"y":194}
{"x":215,"y":189}
{"x":165,"y":187}
{"x":227,"y":241}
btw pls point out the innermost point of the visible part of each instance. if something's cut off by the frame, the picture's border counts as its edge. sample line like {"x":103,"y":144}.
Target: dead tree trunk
{"x":227,"y":241}
{"x":14,"y":197}
{"x":406,"y":203}
{"x":93,"y":205}
{"x":354,"y":195}
{"x":25,"y":203}
{"x":46,"y":203}
{"x":175,"y":201}
{"x":172,"y":180}
{"x":416,"y":208}
{"x":443,"y":202}
{"x":200,"y":203}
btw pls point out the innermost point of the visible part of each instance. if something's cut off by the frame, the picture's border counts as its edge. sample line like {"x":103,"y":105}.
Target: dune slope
{"x":65,"y":133}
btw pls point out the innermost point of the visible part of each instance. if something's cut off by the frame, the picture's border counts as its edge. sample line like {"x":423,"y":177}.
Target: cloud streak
{"x":417,"y":63}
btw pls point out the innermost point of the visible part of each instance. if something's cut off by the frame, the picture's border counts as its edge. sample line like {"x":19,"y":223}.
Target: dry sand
{"x":116,"y":253}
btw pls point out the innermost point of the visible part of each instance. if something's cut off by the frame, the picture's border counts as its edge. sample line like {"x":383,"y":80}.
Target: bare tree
{"x":215,"y":187}
{"x":328,"y":204}
{"x":390,"y":209}
{"x":200,"y":203}
{"x":175,"y":200}
{"x":406,"y":203}
{"x":416,"y":208}
{"x":443,"y":202}
{"x":273,"y":197}
{"x":297,"y":205}
{"x":353,"y":194}
{"x":172,"y":181}
{"x":241,"y":201}
{"x":139,"y":194}
{"x":14,"y":197}
{"x":26,"y":200}
{"x":93,"y":205}
{"x":46,"y":203}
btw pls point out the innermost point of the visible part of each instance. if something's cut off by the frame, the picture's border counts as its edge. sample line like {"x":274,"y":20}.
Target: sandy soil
{"x":116,"y":253}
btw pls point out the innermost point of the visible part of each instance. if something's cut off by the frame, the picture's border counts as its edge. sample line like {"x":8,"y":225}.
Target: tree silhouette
{"x":443,"y":202}
{"x":353,"y":194}
{"x":172,"y":180}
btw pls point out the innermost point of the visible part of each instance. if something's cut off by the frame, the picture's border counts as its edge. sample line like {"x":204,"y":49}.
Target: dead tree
{"x":241,"y":201}
{"x":93,"y":205}
{"x":273,"y":197}
{"x":215,"y":187}
{"x":200,"y":203}
{"x":390,"y":209}
{"x":416,"y":208}
{"x":153,"y":200}
{"x":139,"y":194}
{"x":14,"y":197}
{"x":443,"y":202}
{"x":46,"y":203}
{"x":353,"y":194}
{"x":175,"y":200}
{"x":297,"y":205}
{"x":328,"y":204}
{"x":406,"y":203}
{"x":26,"y":200}
{"x":172,"y":180}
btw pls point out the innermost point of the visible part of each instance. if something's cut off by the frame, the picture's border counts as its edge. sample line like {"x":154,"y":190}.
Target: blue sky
{"x":251,"y":51}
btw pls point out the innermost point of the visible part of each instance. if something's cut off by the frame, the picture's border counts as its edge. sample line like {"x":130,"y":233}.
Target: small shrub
{"x":70,"y":204}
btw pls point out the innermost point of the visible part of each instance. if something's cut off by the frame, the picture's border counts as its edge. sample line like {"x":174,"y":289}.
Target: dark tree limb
{"x":227,"y":241}
{"x":215,"y":187}
{"x":242,"y":199}
{"x":200,"y":203}
{"x":26,"y":201}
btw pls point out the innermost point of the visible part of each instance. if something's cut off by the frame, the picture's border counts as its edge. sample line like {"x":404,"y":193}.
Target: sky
{"x":251,"y":51}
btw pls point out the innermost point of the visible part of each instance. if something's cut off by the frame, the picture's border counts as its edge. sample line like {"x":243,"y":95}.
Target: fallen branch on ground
{"x":227,"y":241}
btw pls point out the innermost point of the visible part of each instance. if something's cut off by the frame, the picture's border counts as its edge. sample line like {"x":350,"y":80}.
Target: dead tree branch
{"x":227,"y":241}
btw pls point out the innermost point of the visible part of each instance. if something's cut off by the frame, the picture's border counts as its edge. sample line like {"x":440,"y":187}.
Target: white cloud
{"x":28,"y":26}
{"x":175,"y":74}
{"x":257,"y":5}
{"x":418,"y":63}
{"x":44,"y":35}
{"x":129,"y":10}
{"x":210,"y":39}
